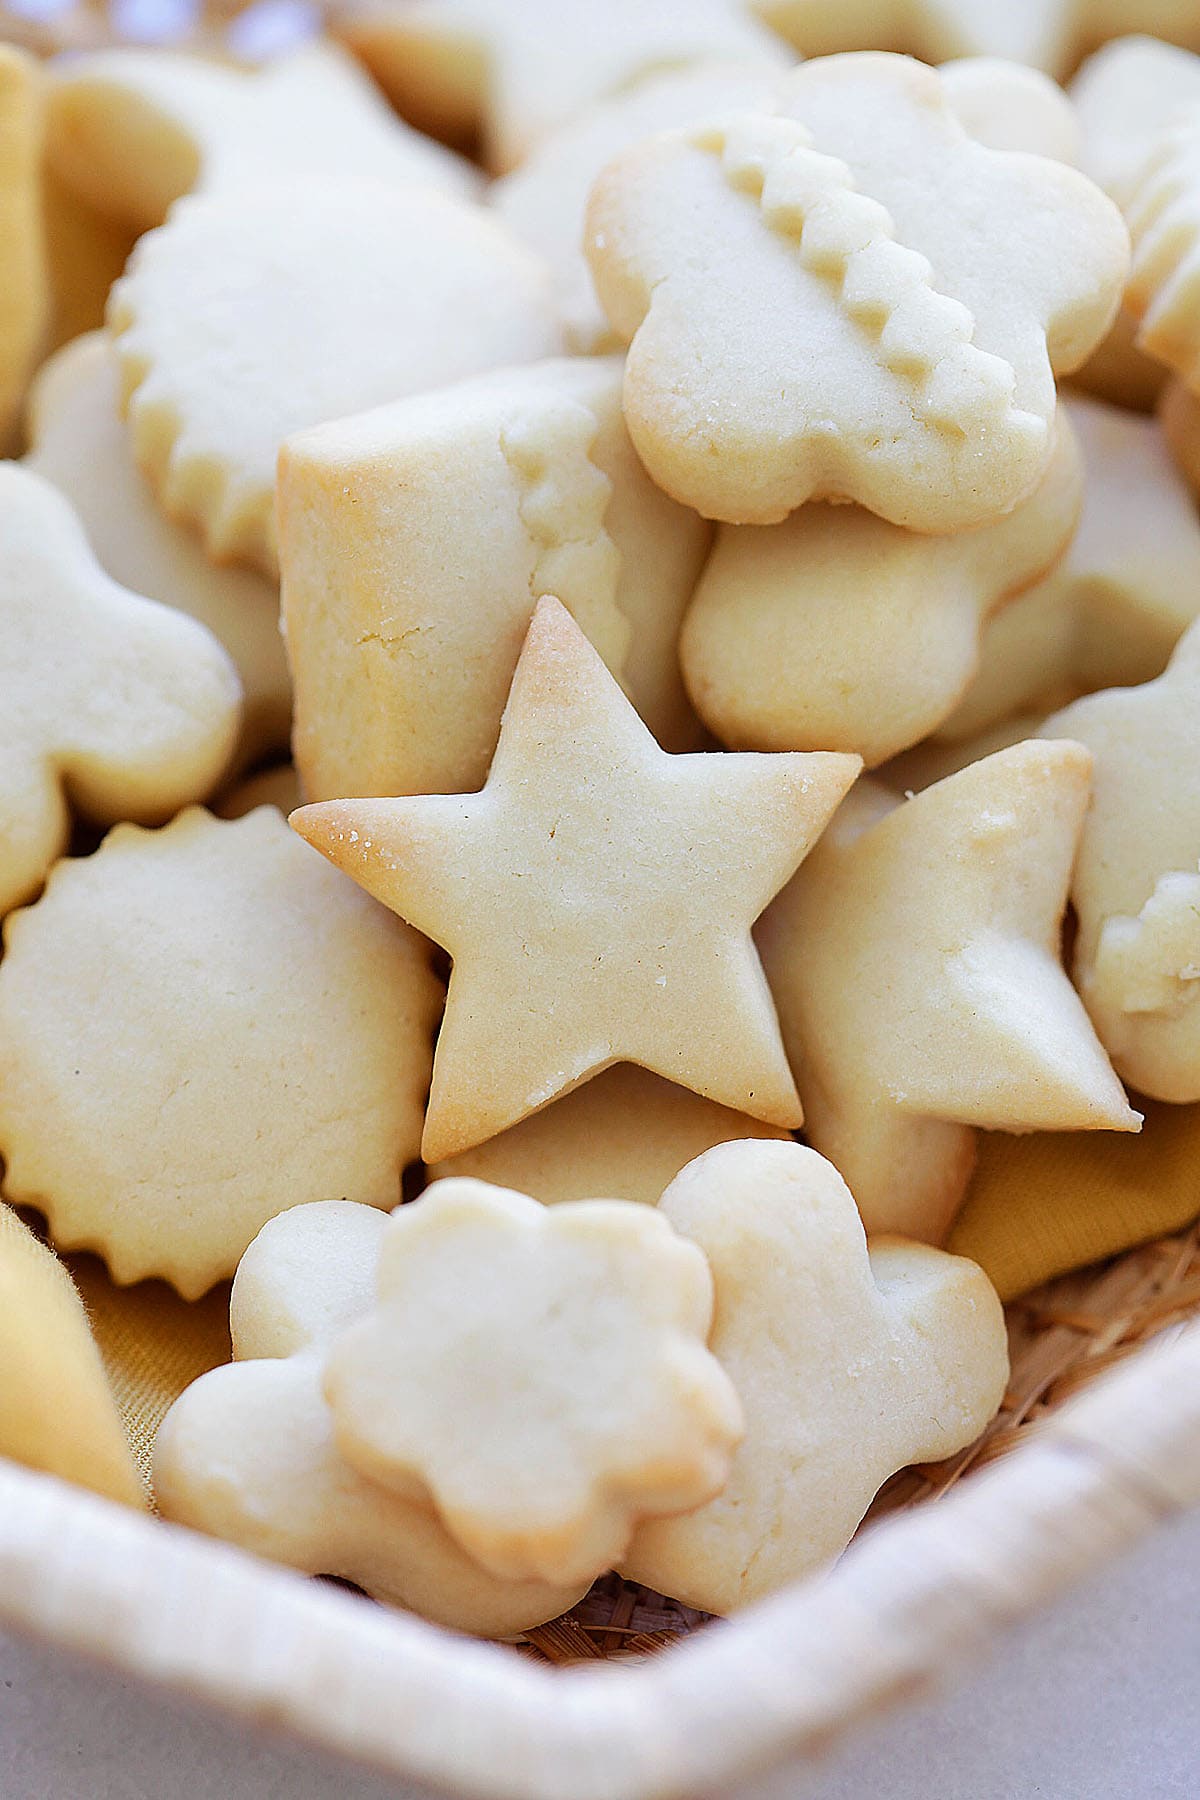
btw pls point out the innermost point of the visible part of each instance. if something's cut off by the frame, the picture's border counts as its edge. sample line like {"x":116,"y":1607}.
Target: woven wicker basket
{"x":1059,"y":1484}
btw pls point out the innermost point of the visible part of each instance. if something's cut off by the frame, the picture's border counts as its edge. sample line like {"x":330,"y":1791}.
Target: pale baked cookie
{"x":539,"y":1374}
{"x":1050,"y":34}
{"x":1010,"y":106}
{"x":626,"y":1133}
{"x":79,"y":441}
{"x":544,"y":201}
{"x":849,"y":298}
{"x":198,"y":1027}
{"x":414,"y":541}
{"x":133,"y":130}
{"x":251,"y":315}
{"x":1121,"y":373}
{"x":835,"y":630}
{"x":1163,"y":212}
{"x":596,"y":897}
{"x":1136,"y":889}
{"x":124,"y":709}
{"x":248,"y":1453}
{"x":23,"y":294}
{"x":915,"y":965}
{"x":1117,"y":604}
{"x":56,"y":1411}
{"x":938,"y":758}
{"x":850,"y":1363}
{"x":512,"y":71}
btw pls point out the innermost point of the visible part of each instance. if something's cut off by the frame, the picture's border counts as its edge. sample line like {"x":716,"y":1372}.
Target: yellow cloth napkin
{"x":1053,"y":1201}
{"x":56,"y":1412}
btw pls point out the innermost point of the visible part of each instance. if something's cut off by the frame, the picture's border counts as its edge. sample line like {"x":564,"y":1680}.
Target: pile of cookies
{"x":715,"y":662}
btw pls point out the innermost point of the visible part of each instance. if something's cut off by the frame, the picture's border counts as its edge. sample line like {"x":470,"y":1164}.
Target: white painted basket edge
{"x":912,"y":1597}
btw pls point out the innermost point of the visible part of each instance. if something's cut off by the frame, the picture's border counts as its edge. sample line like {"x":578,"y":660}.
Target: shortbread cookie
{"x":23,"y":292}
{"x":252,"y":315}
{"x":1123,"y":98}
{"x":596,"y":897}
{"x":836,"y":630}
{"x":127,"y":708}
{"x":938,"y":758}
{"x":849,"y":298}
{"x":198,"y":1027}
{"x":512,"y":71}
{"x":544,"y":201}
{"x":248,"y":1454}
{"x":915,"y":964}
{"x":132,"y":130}
{"x":1115,"y":607}
{"x":278,"y":787}
{"x":1050,"y":34}
{"x":56,"y":1411}
{"x":627,"y":1133}
{"x":1136,"y":889}
{"x":540,"y":1374}
{"x":414,"y":542}
{"x":1163,"y":212}
{"x":1009,"y":106}
{"x":850,"y":1364}
{"x":80,"y":443}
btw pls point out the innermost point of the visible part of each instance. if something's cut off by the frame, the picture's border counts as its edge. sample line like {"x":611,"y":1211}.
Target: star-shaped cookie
{"x":512,"y":70}
{"x":915,"y":964}
{"x":1051,"y":34}
{"x":1113,"y":610}
{"x":23,"y":296}
{"x":1136,"y":887}
{"x":79,"y":441}
{"x":596,"y":897}
{"x":132,"y":130}
{"x":124,"y":708}
{"x":844,"y":296}
{"x":850,"y":1363}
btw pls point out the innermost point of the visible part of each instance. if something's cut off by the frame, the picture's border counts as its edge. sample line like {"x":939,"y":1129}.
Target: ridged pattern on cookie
{"x":563,"y":504}
{"x":236,"y":516}
{"x":848,"y":240}
{"x":1164,"y":222}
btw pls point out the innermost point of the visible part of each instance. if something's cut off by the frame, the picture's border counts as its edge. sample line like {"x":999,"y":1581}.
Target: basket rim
{"x":916,"y":1592}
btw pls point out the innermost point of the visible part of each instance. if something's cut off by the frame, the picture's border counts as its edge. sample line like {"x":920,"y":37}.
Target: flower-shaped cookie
{"x":835,"y":630}
{"x":627,"y":1133}
{"x":539,"y":1373}
{"x":510,"y":71}
{"x":1136,"y":888}
{"x":128,"y":708}
{"x":850,"y":1362}
{"x":850,"y":298}
{"x":198,"y":1027}
{"x":248,"y":1453}
{"x":253,"y":314}
{"x":79,"y":441}
{"x":414,"y":541}
{"x":915,"y":964}
{"x":596,"y":897}
{"x":23,"y":300}
{"x":1051,"y":34}
{"x":1115,"y":607}
{"x":133,"y":130}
